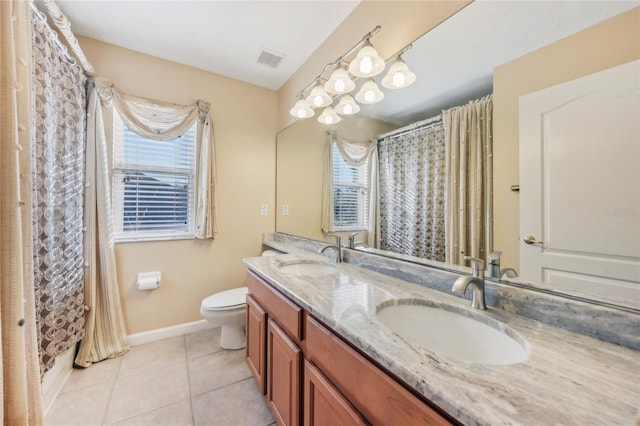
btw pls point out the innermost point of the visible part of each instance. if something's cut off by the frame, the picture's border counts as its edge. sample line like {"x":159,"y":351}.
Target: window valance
{"x":163,"y":121}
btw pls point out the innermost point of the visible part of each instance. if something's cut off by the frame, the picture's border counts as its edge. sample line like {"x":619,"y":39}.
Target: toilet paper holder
{"x":148,"y":280}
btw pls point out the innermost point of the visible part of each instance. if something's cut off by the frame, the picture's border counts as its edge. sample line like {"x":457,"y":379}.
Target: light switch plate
{"x":263,"y":210}
{"x":285,"y":210}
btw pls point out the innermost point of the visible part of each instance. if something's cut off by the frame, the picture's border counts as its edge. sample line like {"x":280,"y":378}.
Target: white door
{"x":580,"y":186}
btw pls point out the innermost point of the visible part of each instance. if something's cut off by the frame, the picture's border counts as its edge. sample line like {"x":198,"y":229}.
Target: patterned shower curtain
{"x":412,"y":183}
{"x":58,"y":188}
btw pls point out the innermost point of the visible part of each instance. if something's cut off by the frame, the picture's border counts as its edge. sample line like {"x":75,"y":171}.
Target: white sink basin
{"x":450,"y":331}
{"x":308,"y":268}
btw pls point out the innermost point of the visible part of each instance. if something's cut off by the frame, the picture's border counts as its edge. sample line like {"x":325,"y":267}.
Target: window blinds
{"x":153,"y":185}
{"x":350,"y":194}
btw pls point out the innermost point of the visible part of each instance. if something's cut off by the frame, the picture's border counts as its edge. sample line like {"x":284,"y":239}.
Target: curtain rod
{"x":64,"y":26}
{"x":419,"y":125}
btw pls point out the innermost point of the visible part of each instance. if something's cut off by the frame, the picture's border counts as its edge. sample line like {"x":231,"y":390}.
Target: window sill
{"x":152,"y":238}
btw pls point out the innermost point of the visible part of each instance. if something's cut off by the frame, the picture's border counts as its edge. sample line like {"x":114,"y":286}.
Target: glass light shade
{"x":367,"y":63}
{"x":301,"y":110}
{"x":339,"y":82}
{"x":369,"y":93}
{"x":399,"y":75}
{"x":347,"y":106}
{"x":329,"y":116}
{"x":318,"y":97}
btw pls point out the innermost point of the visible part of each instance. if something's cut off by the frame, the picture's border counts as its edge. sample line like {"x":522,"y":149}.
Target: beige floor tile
{"x":98,"y":373}
{"x":85,"y":407}
{"x":216,"y":370}
{"x":151,"y":356}
{"x":136,"y":393}
{"x":177,"y":414}
{"x":234,"y":405}
{"x":204,"y":342}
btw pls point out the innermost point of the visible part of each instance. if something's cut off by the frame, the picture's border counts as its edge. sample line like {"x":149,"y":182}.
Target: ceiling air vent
{"x":269,"y":59}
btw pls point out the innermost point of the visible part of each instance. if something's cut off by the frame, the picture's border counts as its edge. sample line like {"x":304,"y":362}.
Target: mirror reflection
{"x":557,"y":63}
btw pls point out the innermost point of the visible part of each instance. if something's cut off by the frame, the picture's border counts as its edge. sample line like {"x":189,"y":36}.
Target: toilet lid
{"x":228,"y":299}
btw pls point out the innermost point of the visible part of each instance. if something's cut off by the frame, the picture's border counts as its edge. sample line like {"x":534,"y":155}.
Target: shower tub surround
{"x":568,"y":378}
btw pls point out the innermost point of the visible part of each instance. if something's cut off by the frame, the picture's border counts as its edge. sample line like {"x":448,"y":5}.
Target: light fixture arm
{"x":339,"y":60}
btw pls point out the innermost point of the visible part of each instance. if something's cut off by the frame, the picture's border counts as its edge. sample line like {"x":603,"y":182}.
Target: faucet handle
{"x":477,"y":265}
{"x":494,"y":257}
{"x":352,"y":240}
{"x":338,"y":239}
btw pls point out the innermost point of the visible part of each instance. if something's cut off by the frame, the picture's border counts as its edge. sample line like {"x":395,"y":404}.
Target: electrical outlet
{"x":263,"y":210}
{"x":285,"y":210}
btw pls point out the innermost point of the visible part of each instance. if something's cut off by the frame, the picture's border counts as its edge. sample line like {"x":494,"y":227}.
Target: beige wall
{"x":300,"y":170}
{"x":244,"y":119}
{"x":608,"y":44}
{"x":402,"y":22}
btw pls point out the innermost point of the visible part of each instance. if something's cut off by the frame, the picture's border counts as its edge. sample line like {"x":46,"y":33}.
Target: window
{"x":153,"y":186}
{"x":350,"y":194}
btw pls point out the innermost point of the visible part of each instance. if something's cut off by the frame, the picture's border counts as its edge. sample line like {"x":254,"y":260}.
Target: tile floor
{"x":185,"y":380}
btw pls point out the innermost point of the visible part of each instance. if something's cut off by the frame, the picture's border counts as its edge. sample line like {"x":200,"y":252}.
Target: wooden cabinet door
{"x":256,"y":342}
{"x":284,"y":360}
{"x":324,"y":405}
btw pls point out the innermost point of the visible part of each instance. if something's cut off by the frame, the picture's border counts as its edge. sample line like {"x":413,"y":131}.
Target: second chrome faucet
{"x":476,"y":280}
{"x":337,"y":247}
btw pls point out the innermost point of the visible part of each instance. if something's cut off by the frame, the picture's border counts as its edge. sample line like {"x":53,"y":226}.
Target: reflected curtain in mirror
{"x":469,"y":153}
{"x":58,"y":187}
{"x":412,"y":192}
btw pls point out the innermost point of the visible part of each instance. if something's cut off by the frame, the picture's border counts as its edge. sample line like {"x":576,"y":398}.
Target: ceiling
{"x":223,"y":37}
{"x":454,"y":62}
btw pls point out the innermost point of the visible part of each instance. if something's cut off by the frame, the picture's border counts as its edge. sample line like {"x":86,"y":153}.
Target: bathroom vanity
{"x":321,"y":354}
{"x":311,"y":376}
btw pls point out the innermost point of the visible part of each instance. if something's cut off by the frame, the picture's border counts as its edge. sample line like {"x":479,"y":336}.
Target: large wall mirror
{"x":524,"y":53}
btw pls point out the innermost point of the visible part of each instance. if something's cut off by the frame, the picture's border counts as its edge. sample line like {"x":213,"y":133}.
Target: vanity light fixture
{"x":347,"y":106}
{"x":367,"y":62}
{"x":329,"y":116}
{"x":340,"y":82}
{"x":301,"y":110}
{"x":369,"y":93}
{"x":399,"y":75}
{"x":319,"y":97}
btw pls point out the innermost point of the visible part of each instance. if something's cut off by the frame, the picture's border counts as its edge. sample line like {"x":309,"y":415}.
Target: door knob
{"x":530,"y":239}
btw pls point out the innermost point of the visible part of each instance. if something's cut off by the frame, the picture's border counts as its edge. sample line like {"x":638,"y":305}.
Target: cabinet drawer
{"x":375,"y":394}
{"x":285,"y":313}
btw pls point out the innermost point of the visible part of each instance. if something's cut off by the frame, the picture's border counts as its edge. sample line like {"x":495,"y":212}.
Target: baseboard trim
{"x":166,"y":332}
{"x":56,"y":377}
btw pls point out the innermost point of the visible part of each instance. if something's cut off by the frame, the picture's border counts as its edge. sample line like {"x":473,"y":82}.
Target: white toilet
{"x":227,"y":309}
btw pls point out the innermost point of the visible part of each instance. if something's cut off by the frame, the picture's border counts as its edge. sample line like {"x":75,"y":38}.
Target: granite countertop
{"x":568,"y":379}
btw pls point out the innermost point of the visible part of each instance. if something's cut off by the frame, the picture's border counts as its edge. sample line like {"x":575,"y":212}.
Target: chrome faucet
{"x":494,"y":264}
{"x":337,"y":247}
{"x":352,"y":241}
{"x":476,"y":280}
{"x":494,"y":267}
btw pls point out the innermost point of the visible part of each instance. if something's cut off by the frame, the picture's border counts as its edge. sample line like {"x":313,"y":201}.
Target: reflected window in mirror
{"x":350,"y":194}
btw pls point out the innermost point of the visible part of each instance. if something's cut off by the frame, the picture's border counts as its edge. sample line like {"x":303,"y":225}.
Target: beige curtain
{"x":105,"y":332}
{"x":355,"y":154}
{"x":164,"y":121}
{"x":20,"y":377}
{"x":469,"y":154}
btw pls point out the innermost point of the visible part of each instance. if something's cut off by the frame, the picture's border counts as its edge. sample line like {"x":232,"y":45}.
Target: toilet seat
{"x":226,"y":300}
